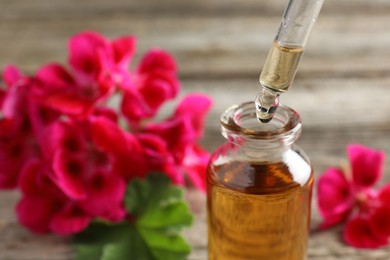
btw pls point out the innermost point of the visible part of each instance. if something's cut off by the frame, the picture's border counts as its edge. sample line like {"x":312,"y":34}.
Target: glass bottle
{"x":259,"y":188}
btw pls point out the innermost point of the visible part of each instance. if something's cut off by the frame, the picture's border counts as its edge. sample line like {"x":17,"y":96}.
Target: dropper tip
{"x":267,"y":103}
{"x":267,"y":120}
{"x":265,"y":115}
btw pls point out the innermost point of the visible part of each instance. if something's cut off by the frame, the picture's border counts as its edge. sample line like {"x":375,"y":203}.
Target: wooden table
{"x":341,"y":90}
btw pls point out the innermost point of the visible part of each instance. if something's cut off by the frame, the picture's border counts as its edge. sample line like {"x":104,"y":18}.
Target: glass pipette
{"x":285,"y":54}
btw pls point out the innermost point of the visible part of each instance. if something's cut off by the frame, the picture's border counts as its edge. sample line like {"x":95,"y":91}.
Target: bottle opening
{"x":242,"y":120}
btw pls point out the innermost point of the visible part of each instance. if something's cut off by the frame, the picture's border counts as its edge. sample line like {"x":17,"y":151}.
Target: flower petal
{"x":177,"y":132}
{"x":15,"y":101}
{"x":134,"y":107}
{"x":367,"y":165}
{"x":158,"y":88}
{"x":185,"y":127}
{"x":384,"y":194}
{"x":195,"y":106}
{"x":64,"y":135}
{"x":124,"y":148}
{"x":55,"y":77}
{"x":87,"y":53}
{"x":155,"y":150}
{"x":123,"y":50}
{"x":108,"y":136}
{"x":380,"y":222}
{"x":156,"y":60}
{"x":14,"y":153}
{"x":195,"y":163}
{"x":160,"y":158}
{"x":11,"y":75}
{"x":35,"y":213}
{"x":69,"y":105}
{"x":335,"y":198}
{"x":56,"y":87}
{"x":69,"y":220}
{"x":175,"y":173}
{"x":68,"y":174}
{"x":107,"y":113}
{"x":105,"y":196}
{"x":358,"y":233}
{"x":2,"y":97}
{"x":35,"y":181}
{"x":132,"y":164}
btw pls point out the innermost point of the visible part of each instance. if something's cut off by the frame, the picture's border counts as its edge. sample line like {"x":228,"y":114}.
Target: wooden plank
{"x":57,"y":9}
{"x":18,"y":244}
{"x":340,"y":46}
{"x":328,"y":102}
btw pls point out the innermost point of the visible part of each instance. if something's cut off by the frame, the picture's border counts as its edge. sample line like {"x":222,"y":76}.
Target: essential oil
{"x":259,"y":186}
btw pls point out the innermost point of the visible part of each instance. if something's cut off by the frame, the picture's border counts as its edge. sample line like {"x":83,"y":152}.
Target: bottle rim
{"x":241,"y":120}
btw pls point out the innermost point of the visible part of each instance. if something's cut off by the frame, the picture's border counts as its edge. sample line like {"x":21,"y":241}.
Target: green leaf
{"x":88,"y":252}
{"x":163,"y":246}
{"x":160,"y":213}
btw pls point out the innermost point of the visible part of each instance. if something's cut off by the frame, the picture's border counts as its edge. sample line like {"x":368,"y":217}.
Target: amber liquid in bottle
{"x":259,"y":210}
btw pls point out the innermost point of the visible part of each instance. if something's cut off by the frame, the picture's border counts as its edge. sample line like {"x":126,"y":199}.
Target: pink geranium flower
{"x":153,"y":82}
{"x":349,"y":196}
{"x":97,"y":66}
{"x":126,"y":150}
{"x":14,"y":152}
{"x":85,"y":168}
{"x":57,"y":88}
{"x":178,"y":136}
{"x":44,"y":207}
{"x":21,"y":124}
{"x":72,"y":154}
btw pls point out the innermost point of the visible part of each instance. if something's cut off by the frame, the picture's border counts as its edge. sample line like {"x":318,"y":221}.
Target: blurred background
{"x":341,"y":89}
{"x":220,"y":45}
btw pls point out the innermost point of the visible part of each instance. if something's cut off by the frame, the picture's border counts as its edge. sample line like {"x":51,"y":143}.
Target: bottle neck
{"x":243,"y":131}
